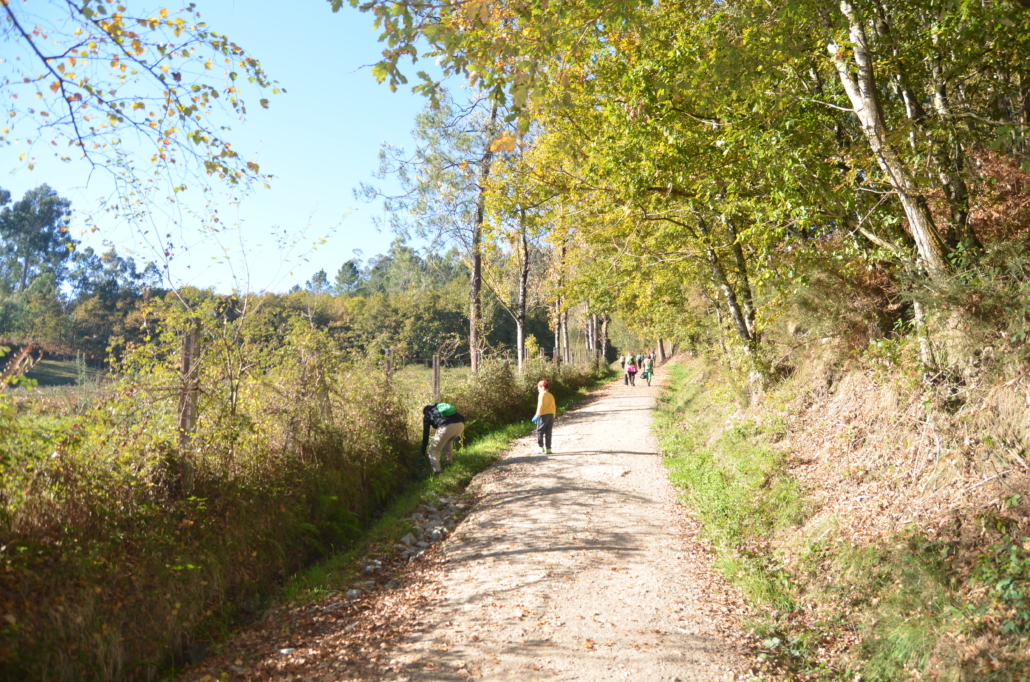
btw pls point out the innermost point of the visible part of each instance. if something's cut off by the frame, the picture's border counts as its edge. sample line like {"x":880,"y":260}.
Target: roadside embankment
{"x":876,"y":522}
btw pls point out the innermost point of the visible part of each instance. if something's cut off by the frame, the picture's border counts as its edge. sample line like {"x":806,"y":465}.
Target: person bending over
{"x":544,"y":419}
{"x":449,"y":425}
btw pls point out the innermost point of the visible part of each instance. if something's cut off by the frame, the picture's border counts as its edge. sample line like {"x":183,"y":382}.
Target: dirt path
{"x":572,"y":566}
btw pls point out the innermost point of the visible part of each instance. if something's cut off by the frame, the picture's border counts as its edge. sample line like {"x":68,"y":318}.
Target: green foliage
{"x":720,"y":157}
{"x":735,"y":482}
{"x":1005,"y":570}
{"x":34,"y":239}
{"x":124,"y":538}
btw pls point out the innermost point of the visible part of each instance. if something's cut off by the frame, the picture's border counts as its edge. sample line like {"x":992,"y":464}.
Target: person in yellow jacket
{"x":544,"y":419}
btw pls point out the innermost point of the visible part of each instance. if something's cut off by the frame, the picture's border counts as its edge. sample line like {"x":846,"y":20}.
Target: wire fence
{"x":393,"y":363}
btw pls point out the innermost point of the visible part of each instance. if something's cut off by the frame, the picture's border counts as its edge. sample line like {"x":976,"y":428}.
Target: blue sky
{"x":319,"y":140}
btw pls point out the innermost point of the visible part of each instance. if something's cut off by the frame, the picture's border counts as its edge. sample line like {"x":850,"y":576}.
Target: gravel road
{"x":578,"y":565}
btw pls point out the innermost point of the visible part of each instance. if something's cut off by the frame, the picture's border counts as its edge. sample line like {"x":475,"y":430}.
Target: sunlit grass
{"x":905,"y":596}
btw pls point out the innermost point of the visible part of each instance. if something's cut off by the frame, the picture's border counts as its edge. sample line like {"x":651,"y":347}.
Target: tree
{"x":108,"y":276}
{"x":520,"y":211}
{"x":34,"y":231}
{"x":347,"y":277}
{"x":444,"y":184}
{"x":91,"y":75}
{"x":319,"y":283}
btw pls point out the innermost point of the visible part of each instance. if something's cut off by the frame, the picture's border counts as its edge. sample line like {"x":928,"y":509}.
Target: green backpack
{"x":445,"y":409}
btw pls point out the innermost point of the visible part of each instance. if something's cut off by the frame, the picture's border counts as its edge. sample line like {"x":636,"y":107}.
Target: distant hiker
{"x":640,"y":360}
{"x":449,"y":425}
{"x":622,"y":362}
{"x":631,"y":372}
{"x":648,"y":370}
{"x":544,"y":418}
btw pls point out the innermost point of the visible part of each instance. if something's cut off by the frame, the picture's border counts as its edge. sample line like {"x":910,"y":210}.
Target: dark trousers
{"x":543,"y":430}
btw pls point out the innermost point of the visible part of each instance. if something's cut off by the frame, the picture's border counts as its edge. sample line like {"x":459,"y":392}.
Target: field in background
{"x":55,"y":373}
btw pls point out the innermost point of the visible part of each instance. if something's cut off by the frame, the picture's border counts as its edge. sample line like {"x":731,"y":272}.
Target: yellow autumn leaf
{"x":504,"y":143}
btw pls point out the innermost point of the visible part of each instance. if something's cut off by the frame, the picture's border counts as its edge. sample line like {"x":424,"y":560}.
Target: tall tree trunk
{"x":565,"y":336}
{"x":661,"y":351}
{"x":1024,"y":108}
{"x":718,"y":318}
{"x":557,"y":331}
{"x":743,"y":281}
{"x":475,"y":303}
{"x":520,"y":340}
{"x":730,"y":296}
{"x":25,"y":270}
{"x":605,"y":319}
{"x":865,"y":100}
{"x":520,"y":310}
{"x":722,"y":283}
{"x":951,"y":164}
{"x":560,"y":333}
{"x":476,"y":255}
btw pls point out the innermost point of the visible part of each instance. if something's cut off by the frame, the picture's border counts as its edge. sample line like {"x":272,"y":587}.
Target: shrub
{"x":122,"y":543}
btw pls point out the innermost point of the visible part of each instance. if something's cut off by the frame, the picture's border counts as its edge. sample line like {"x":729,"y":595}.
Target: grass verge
{"x":949,"y":604}
{"x":336,"y":573}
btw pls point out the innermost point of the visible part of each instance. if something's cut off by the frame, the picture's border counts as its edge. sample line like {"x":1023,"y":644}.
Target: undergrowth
{"x":124,"y":545}
{"x":951,"y":604}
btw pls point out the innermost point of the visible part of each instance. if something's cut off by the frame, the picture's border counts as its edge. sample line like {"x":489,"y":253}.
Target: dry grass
{"x":885,"y":451}
{"x":901,"y":561}
{"x":121,"y":554}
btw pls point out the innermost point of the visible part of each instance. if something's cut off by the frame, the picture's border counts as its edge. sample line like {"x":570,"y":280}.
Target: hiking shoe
{"x":548,"y":450}
{"x":543,"y":450}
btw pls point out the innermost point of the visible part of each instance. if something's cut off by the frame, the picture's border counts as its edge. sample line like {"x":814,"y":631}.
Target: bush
{"x":123,"y":545}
